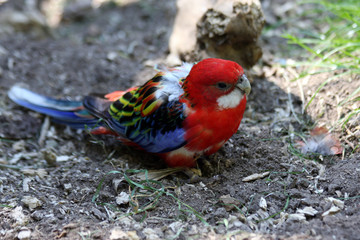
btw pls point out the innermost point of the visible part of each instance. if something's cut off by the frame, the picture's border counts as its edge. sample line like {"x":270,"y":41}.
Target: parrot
{"x":180,"y":114}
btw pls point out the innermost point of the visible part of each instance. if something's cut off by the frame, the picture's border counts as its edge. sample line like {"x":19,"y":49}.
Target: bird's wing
{"x":150,"y":116}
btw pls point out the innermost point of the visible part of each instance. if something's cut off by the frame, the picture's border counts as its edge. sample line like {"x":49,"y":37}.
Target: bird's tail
{"x":71,"y":113}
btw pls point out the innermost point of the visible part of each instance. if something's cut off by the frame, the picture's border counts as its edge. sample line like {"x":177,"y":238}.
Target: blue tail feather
{"x":67,"y":112}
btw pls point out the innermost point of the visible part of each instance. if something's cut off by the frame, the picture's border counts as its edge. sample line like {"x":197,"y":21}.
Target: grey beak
{"x":244,"y":84}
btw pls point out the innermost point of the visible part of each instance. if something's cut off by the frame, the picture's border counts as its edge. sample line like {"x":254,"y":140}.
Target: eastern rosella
{"x":179,"y":114}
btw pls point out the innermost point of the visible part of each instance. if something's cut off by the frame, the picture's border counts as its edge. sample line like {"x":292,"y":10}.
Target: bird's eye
{"x":222,"y":86}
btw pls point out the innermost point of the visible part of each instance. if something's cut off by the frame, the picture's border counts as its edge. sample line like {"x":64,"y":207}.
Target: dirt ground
{"x":60,"y":186}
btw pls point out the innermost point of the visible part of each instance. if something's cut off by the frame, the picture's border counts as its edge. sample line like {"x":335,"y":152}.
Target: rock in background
{"x":226,"y":29}
{"x":22,"y":16}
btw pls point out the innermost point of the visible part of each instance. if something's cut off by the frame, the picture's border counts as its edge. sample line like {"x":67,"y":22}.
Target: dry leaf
{"x":309,"y":211}
{"x":336,"y":202}
{"x":255,"y":176}
{"x":157,"y":174}
{"x":333,"y":210}
{"x":297,"y":217}
{"x":229,"y":202}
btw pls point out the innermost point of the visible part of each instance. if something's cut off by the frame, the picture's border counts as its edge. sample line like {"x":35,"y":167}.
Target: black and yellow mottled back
{"x":149,"y":116}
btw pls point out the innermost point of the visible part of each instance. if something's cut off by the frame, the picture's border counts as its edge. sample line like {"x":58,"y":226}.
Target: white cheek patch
{"x":230,"y":100}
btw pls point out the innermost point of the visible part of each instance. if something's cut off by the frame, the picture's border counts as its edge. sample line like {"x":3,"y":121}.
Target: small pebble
{"x":19,"y":146}
{"x":31,"y":202}
{"x":62,"y":158}
{"x":24,"y":234}
{"x":118,"y":234}
{"x":122,"y":198}
{"x":111,"y":56}
{"x":263,"y":204}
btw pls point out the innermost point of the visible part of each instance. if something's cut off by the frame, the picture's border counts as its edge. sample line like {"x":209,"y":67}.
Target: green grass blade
{"x":322,"y":85}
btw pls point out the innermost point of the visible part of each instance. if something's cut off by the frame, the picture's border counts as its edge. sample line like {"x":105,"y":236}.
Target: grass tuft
{"x":334,"y":49}
{"x":148,"y":189}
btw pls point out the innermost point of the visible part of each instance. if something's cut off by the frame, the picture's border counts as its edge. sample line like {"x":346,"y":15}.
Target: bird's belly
{"x":209,"y":131}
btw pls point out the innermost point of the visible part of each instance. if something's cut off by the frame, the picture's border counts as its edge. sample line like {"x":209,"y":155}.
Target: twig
{"x":44,"y":130}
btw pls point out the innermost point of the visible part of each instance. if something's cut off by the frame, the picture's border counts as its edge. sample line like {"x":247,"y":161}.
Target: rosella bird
{"x":179,"y":114}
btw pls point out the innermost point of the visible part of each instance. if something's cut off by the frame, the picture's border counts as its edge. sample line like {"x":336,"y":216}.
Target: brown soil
{"x":54,"y":199}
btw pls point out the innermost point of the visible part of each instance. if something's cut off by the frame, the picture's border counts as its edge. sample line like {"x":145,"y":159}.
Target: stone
{"x":227,"y":29}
